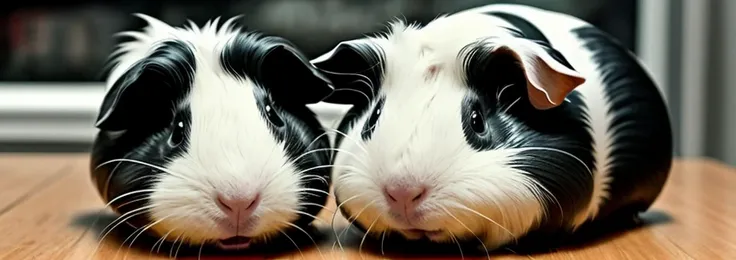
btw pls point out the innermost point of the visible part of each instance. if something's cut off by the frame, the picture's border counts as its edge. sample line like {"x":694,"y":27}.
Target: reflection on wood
{"x":49,"y":210}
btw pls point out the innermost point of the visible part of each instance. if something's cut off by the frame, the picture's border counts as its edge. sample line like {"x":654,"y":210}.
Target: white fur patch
{"x":231,"y":148}
{"x":420,"y":137}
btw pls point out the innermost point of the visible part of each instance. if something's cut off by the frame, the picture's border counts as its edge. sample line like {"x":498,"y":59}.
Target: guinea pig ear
{"x":355,"y":68}
{"x":549,"y":80}
{"x":142,"y":96}
{"x":289,"y":75}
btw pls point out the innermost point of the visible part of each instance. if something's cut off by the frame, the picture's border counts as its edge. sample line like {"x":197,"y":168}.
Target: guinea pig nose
{"x":237,"y":206}
{"x":401,"y":197}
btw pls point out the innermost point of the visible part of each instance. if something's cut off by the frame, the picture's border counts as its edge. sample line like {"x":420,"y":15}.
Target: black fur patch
{"x":356,"y":70}
{"x":555,"y":145}
{"x":641,"y":129}
{"x":142,"y":97}
{"x":144,"y":104}
{"x":525,"y":29}
{"x":276,"y":64}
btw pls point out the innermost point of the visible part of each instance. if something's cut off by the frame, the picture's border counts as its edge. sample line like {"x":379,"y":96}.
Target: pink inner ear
{"x":548,"y":87}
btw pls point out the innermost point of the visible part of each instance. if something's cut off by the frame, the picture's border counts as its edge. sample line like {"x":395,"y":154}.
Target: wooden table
{"x":49,"y":210}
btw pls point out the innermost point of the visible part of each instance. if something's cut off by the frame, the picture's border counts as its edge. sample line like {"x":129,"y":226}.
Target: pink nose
{"x":405,"y":199}
{"x":238,"y":208}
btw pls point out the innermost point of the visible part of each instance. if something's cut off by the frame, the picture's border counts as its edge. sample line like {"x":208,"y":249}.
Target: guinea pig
{"x":205,"y":138}
{"x":494,"y":124}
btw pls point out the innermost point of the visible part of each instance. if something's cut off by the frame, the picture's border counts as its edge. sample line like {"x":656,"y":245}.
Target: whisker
{"x":126,"y":216}
{"x":350,"y":138}
{"x":132,"y":201}
{"x":559,"y":151}
{"x":383,"y":236}
{"x":360,"y":247}
{"x":142,"y":230}
{"x":459,"y":247}
{"x":144,"y":164}
{"x":132,"y":193}
{"x":312,"y":142}
{"x":332,"y":223}
{"x":142,"y":178}
{"x":309,"y":178}
{"x":469,"y":230}
{"x":293,"y":242}
{"x":362,"y":79}
{"x":511,"y":105}
{"x":460,"y":206}
{"x":160,"y":242}
{"x":171,"y":250}
{"x":123,"y":215}
{"x":310,"y":237}
{"x":313,"y":168}
{"x":356,"y":218}
{"x":199,"y":255}
{"x":501,"y":90}
{"x":367,"y":98}
{"x":178,"y":248}
{"x":317,"y":205}
{"x":315,"y":190}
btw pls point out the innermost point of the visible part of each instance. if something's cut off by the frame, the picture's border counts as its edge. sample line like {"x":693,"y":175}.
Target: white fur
{"x":231,"y":149}
{"x":420,"y":136}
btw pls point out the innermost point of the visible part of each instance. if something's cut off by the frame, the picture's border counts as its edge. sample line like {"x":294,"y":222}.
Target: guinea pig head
{"x":205,"y":137}
{"x":451,"y":142}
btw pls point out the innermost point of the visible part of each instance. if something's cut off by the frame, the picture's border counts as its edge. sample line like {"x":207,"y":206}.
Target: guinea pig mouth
{"x":234,"y":243}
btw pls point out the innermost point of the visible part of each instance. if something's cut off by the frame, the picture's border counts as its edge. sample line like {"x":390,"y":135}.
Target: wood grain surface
{"x":49,"y":210}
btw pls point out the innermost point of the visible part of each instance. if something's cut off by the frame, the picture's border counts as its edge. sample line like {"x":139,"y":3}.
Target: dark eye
{"x":177,"y":133}
{"x":273,"y":116}
{"x":476,"y":121}
{"x":370,"y":125}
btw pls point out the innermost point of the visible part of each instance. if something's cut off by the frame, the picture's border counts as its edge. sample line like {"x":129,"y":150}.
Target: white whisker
{"x":360,"y":248}
{"x":555,"y":150}
{"x":293,"y":242}
{"x":460,"y":206}
{"x":310,"y":237}
{"x":511,"y":105}
{"x":459,"y":247}
{"x":501,"y":90}
{"x":332,"y":223}
{"x":469,"y":230}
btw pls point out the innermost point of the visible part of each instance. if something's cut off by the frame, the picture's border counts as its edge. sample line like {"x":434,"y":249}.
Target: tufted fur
{"x":538,"y":169}
{"x":237,"y":101}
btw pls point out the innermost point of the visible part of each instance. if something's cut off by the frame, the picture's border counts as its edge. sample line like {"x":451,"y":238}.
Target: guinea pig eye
{"x":273,"y":117}
{"x":177,"y":134}
{"x":372,"y":120}
{"x":476,"y":121}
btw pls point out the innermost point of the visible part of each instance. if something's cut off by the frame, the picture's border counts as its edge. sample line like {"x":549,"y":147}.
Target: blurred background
{"x":51,"y":55}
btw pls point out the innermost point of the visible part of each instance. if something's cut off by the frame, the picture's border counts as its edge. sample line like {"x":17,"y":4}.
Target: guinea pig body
{"x":494,"y":124}
{"x":205,"y":137}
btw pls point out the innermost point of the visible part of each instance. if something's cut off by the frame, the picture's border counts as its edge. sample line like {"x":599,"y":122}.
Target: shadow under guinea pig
{"x":123,"y":236}
{"x":394,"y":247}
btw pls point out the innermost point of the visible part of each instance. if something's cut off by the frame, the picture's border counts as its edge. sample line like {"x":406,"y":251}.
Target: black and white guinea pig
{"x":205,"y":137}
{"x":500,"y":122}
